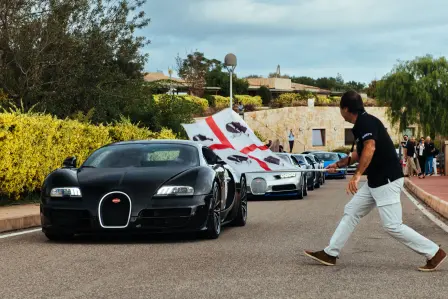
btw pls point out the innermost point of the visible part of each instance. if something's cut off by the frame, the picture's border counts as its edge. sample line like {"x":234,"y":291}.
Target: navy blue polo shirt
{"x":385,"y":165}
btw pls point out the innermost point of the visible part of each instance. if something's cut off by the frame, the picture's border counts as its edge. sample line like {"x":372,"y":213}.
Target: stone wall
{"x":276,"y":123}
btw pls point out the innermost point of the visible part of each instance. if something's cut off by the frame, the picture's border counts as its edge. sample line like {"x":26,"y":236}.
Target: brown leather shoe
{"x":322,"y":257}
{"x":435,"y":262}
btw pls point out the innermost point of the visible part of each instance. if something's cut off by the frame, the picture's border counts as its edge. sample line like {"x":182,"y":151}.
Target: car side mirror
{"x":69,"y":162}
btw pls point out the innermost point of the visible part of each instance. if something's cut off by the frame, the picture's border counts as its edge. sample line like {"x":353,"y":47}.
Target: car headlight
{"x":287,"y":175}
{"x":175,"y":191}
{"x":65,"y":191}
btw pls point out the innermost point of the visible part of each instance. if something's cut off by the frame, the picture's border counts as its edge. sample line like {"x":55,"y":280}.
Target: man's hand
{"x":332,"y":168}
{"x":353,"y":184}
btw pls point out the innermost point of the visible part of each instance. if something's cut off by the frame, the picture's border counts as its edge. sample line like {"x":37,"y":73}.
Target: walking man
{"x":421,"y":155}
{"x":291,"y":140}
{"x":409,"y":154}
{"x":375,"y":153}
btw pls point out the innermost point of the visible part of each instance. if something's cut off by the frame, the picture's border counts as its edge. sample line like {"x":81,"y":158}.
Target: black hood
{"x":137,"y":182}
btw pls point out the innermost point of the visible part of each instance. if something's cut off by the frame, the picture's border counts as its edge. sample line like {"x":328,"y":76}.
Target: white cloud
{"x":357,"y":38}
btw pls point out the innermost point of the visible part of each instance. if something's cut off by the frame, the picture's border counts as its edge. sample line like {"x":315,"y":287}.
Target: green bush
{"x":199,"y":105}
{"x":266,"y":95}
{"x":249,"y":100}
{"x":221,"y":102}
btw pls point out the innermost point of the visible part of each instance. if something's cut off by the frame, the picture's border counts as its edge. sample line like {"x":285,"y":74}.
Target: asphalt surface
{"x":262,"y":260}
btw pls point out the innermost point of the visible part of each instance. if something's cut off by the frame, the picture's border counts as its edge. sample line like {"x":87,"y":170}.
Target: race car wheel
{"x":241,"y":216}
{"x":301,"y":193}
{"x":305,"y":188}
{"x":214,"y":219}
{"x":311,"y":187}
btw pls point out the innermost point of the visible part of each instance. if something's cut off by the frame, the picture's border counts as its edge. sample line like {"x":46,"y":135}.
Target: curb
{"x":21,"y":222}
{"x":438,"y":205}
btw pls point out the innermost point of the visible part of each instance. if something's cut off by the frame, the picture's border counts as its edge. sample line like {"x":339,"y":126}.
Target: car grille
{"x":114,"y":210}
{"x":168,"y":218}
{"x":287,"y":187}
{"x":258,"y":186}
{"x":150,"y":213}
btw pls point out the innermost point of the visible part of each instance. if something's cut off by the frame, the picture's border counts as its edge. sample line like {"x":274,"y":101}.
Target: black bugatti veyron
{"x":153,"y":186}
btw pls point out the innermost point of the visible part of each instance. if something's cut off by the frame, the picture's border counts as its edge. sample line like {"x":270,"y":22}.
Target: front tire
{"x":305,"y":192}
{"x":241,"y":216}
{"x":214,"y":219}
{"x":301,"y":193}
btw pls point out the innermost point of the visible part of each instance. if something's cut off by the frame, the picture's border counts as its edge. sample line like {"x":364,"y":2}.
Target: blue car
{"x":330,"y":158}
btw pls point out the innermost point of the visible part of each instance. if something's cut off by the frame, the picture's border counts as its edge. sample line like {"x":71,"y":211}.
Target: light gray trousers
{"x":387,"y":199}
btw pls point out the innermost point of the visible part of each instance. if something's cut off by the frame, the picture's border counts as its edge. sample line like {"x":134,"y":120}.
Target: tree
{"x":253,"y":76}
{"x":275,"y":75}
{"x":193,"y":70}
{"x":304,"y":80}
{"x":353,"y":85}
{"x":70,"y":56}
{"x":417,"y":93}
{"x":371,"y":89}
{"x":265,"y":94}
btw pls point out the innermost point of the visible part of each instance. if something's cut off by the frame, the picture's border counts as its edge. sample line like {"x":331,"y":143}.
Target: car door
{"x":212,"y":161}
{"x":313,"y":165}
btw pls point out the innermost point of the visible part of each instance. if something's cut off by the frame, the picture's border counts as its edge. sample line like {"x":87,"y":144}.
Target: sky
{"x":360,"y":39}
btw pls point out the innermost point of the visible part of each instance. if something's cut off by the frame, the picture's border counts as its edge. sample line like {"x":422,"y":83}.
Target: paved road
{"x":262,"y":260}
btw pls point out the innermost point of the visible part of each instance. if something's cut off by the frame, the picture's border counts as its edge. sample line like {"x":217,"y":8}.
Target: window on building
{"x":409,"y":131}
{"x":349,"y":137}
{"x":318,"y":137}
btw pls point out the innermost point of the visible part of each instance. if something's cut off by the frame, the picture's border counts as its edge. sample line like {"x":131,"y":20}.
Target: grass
{"x":30,"y":198}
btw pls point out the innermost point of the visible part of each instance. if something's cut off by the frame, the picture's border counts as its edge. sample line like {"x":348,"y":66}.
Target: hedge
{"x":223,"y":102}
{"x":200,"y":104}
{"x":33,"y":145}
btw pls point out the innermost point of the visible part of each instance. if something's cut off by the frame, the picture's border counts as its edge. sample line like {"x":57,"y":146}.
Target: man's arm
{"x":344,"y":161}
{"x":364,"y":162}
{"x":366,"y":156}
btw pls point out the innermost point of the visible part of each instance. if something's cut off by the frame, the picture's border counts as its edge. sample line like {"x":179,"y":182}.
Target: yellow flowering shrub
{"x":249,"y":100}
{"x":200,"y":104}
{"x":33,"y":145}
{"x":220,"y":102}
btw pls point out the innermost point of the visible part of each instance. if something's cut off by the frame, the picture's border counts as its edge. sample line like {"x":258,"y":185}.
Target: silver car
{"x":274,"y":184}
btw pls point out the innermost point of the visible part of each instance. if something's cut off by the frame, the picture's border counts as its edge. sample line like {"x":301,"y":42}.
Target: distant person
{"x":429,"y":153}
{"x":280,"y":149}
{"x":421,"y":155}
{"x":403,"y":145}
{"x":291,"y":140}
{"x":275,"y":146}
{"x":375,"y":153}
{"x":409,"y":154}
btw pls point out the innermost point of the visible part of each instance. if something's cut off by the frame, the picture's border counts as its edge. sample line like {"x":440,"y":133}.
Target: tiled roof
{"x":152,"y":77}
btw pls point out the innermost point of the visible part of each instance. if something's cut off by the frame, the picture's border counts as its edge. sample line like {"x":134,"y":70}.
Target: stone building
{"x":315,"y":128}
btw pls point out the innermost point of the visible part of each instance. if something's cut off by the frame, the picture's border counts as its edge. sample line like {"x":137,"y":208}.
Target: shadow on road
{"x":137,"y":238}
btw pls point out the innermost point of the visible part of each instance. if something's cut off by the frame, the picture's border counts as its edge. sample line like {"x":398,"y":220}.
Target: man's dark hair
{"x":352,"y":101}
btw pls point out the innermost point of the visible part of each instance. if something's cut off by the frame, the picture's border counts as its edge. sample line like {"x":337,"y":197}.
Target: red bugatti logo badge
{"x":116,"y":200}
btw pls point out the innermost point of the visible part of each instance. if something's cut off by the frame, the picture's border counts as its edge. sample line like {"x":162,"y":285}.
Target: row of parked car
{"x":317,"y":160}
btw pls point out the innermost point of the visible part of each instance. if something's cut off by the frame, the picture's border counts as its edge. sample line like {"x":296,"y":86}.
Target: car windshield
{"x":327,"y":156}
{"x":284,"y":157}
{"x":312,"y":158}
{"x":300,"y":158}
{"x":143,"y":155}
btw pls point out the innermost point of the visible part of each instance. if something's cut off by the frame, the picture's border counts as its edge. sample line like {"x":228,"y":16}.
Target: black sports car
{"x":152,"y":186}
